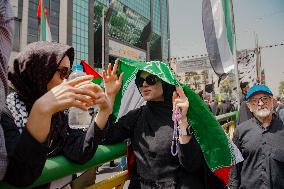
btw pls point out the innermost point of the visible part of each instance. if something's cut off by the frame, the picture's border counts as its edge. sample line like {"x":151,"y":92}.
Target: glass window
{"x":17,"y":35}
{"x":80,"y":28}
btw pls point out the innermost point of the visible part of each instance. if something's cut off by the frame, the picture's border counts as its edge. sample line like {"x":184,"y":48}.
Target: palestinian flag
{"x":90,"y":71}
{"x":44,"y":29}
{"x":219,"y":151}
{"x":217,"y":19}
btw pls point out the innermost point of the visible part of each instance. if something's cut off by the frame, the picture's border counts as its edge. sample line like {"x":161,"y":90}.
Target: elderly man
{"x":260,"y":140}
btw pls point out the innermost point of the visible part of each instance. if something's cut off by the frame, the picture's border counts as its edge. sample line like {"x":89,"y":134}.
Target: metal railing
{"x":59,"y":167}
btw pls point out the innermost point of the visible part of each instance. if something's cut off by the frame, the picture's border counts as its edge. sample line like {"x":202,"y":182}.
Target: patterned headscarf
{"x":34,"y":68}
{"x":30,"y":73}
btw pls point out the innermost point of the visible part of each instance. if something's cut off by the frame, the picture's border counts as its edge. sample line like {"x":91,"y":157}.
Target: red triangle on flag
{"x":89,"y":70}
{"x":39,"y":9}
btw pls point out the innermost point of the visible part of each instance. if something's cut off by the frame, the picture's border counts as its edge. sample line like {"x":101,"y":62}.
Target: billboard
{"x":247,"y":66}
{"x":194,"y":64}
{"x":121,"y":50}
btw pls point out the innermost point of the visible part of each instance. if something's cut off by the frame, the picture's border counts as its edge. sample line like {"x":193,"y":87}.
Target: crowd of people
{"x":218,"y":107}
{"x":34,"y":125}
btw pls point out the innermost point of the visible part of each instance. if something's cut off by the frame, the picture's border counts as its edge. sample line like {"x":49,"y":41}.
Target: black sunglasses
{"x":150,"y":80}
{"x":64,"y":72}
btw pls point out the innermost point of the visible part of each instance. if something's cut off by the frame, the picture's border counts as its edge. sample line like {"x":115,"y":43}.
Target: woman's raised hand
{"x":180,"y":101}
{"x":111,"y":81}
{"x":73,"y":93}
{"x":79,"y":92}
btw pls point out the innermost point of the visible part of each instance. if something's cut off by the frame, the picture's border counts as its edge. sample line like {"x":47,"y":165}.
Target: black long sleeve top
{"x":263,"y":152}
{"x":150,"y":130}
{"x":27,"y":156}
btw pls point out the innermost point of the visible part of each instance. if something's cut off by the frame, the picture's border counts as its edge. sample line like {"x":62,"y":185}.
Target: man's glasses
{"x":64,"y":72}
{"x":150,"y":80}
{"x":264,"y":99}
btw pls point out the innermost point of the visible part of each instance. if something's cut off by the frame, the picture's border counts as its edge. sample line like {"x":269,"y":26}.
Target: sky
{"x":263,"y":17}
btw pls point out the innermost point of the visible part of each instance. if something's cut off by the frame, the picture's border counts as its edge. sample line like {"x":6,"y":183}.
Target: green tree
{"x":227,"y":86}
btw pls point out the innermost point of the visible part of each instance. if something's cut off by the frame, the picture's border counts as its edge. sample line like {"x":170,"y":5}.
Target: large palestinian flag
{"x":219,"y":151}
{"x":218,"y":27}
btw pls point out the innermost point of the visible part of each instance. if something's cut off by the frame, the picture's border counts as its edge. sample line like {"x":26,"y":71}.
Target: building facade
{"x":27,"y":23}
{"x":99,"y":30}
{"x":135,"y":29}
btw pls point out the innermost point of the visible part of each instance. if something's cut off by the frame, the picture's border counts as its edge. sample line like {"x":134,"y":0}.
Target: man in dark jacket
{"x":260,"y":140}
{"x":244,"y":87}
{"x":244,"y":113}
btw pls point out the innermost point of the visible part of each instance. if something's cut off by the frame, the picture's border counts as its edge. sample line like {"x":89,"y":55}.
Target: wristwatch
{"x":185,"y":131}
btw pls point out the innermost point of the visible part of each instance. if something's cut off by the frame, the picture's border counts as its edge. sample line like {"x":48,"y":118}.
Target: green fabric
{"x":226,"y":4}
{"x":59,"y":167}
{"x":97,"y":80}
{"x":43,"y":23}
{"x":211,"y":137}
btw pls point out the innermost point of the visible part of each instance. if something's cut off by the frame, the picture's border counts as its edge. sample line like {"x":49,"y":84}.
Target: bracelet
{"x":185,"y":131}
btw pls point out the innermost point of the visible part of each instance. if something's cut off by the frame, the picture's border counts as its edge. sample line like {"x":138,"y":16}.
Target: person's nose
{"x":260,"y":103}
{"x":144,"y":84}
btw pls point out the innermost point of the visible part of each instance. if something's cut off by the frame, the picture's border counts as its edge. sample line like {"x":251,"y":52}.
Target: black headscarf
{"x":156,"y":124}
{"x":30,"y":73}
{"x":34,"y":68}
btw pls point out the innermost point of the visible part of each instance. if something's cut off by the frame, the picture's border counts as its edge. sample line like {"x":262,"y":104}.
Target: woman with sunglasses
{"x":150,"y":130}
{"x":41,"y":94}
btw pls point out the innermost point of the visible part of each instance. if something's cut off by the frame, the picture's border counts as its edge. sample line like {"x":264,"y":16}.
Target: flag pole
{"x":103,"y":38}
{"x":235,"y":55}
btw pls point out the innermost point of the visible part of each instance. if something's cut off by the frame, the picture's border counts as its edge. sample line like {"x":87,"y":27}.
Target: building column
{"x":169,"y":36}
{"x":24,"y":25}
{"x":63,"y":23}
{"x":69,"y":22}
{"x":91,"y":42}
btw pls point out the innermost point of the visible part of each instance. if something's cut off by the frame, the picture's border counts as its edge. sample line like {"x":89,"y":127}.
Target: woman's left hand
{"x":101,"y":99}
{"x":111,"y":81}
{"x":180,"y":101}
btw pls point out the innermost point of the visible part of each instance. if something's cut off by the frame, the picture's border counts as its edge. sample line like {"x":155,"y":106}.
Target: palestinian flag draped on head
{"x":219,"y":151}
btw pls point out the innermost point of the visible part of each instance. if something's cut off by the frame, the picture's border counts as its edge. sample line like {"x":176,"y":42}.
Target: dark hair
{"x":244,"y":84}
{"x":200,"y":93}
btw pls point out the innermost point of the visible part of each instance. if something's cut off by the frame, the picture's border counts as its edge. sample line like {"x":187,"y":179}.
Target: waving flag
{"x":219,"y":151}
{"x":217,"y":19}
{"x":90,"y":71}
{"x":45,"y":34}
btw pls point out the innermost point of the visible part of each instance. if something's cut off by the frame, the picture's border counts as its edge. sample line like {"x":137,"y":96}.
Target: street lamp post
{"x":106,"y":15}
{"x":103,"y":38}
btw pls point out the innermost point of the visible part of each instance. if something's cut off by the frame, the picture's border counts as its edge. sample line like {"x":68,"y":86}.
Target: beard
{"x":262,"y":113}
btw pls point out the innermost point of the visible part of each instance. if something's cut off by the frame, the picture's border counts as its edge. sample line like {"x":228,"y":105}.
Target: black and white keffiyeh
{"x":18,"y":110}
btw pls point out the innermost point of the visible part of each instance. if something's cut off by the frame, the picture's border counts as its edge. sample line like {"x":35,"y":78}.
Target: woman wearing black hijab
{"x":35,"y":108}
{"x":150,"y":130}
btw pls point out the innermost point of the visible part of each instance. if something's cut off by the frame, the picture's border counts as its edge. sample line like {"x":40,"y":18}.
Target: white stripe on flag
{"x":48,"y":33}
{"x":221,"y":35}
{"x":131,"y":99}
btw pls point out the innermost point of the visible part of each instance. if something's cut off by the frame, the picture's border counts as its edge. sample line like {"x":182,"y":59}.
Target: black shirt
{"x":263,"y":152}
{"x":150,"y":129}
